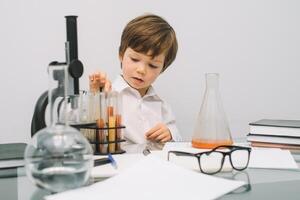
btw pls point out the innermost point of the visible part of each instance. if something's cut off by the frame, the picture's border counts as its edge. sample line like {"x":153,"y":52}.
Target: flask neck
{"x":57,"y":91}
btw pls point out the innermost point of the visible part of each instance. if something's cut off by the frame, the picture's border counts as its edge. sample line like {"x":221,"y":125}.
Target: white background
{"x":254,"y":45}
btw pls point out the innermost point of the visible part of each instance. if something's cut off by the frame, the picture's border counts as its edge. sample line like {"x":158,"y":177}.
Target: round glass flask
{"x":211,"y":129}
{"x":58,"y":157}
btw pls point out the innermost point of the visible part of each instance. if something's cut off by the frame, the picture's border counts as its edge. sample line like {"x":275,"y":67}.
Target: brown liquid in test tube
{"x":101,"y":137}
{"x":111,"y":130}
{"x":118,"y":130}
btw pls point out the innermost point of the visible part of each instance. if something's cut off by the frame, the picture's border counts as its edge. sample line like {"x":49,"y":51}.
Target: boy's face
{"x":140,"y":70}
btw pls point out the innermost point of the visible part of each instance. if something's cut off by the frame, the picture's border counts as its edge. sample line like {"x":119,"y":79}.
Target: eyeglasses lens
{"x":239,"y":159}
{"x":211,"y":163}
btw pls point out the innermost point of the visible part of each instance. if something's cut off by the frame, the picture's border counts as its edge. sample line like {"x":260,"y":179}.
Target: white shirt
{"x":140,"y":114}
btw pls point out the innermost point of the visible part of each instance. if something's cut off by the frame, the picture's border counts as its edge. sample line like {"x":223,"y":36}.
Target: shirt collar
{"x":120,"y":84}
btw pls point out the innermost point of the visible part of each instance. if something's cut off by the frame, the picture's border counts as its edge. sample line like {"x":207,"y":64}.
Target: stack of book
{"x":12,"y":155}
{"x":283,"y":134}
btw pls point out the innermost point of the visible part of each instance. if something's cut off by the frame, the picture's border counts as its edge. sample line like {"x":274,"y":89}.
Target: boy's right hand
{"x":159,"y":133}
{"x":99,"y":80}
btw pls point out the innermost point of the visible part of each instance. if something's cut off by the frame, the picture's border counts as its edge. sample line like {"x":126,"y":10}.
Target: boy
{"x":148,"y":47}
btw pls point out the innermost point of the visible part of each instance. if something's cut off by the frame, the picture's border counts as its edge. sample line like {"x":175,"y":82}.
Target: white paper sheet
{"x":153,"y":178}
{"x":272,"y":158}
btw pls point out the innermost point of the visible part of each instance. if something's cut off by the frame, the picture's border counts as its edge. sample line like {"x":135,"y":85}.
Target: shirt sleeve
{"x":169,"y":120}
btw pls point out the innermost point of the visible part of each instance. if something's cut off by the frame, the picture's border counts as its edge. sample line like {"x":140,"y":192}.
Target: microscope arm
{"x":38,"y":120}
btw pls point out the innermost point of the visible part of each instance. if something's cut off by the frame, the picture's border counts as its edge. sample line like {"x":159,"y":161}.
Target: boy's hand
{"x":159,"y":133}
{"x":99,"y":80}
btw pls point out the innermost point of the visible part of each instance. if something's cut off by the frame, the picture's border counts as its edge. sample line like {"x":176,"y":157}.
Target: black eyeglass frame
{"x":232,"y":148}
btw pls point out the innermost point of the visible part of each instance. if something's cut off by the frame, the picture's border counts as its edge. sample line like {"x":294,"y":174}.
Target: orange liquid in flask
{"x":209,"y":144}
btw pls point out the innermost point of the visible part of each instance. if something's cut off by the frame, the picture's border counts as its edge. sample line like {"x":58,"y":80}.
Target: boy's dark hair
{"x":150,"y":34}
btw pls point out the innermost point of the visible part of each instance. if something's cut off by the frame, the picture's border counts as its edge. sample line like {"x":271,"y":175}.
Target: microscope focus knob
{"x":76,"y":68}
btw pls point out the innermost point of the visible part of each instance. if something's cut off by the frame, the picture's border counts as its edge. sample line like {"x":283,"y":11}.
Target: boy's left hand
{"x":99,"y":80}
{"x":159,"y":133}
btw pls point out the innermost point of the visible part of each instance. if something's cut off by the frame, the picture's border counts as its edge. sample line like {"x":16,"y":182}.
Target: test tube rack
{"x":103,"y":147}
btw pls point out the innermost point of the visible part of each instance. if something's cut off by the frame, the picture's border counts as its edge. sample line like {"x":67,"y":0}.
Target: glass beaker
{"x":211,"y":129}
{"x":58,"y":157}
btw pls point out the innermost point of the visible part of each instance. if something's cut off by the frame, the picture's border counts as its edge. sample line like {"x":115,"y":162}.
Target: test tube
{"x":96,"y":106}
{"x":101,"y":137}
{"x":118,"y":130}
{"x":111,"y":116}
{"x":94,"y":113}
{"x":119,"y":122}
{"x":88,"y":99}
{"x":101,"y":133}
{"x":83,"y":106}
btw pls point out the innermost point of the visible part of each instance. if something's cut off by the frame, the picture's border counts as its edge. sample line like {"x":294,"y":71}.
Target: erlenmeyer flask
{"x":211,"y":127}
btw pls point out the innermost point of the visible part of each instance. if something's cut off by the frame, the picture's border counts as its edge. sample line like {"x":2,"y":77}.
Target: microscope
{"x":75,"y":71}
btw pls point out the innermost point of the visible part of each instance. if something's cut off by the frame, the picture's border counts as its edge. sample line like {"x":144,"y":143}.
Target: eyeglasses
{"x":211,"y":162}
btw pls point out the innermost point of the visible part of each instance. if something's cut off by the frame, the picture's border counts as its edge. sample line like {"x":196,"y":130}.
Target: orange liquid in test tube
{"x":110,"y":111}
{"x":119,"y":136}
{"x":112,"y":134}
{"x":111,"y":130}
{"x":101,"y":136}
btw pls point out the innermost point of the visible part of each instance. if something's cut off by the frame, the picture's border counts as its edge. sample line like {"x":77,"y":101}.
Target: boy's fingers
{"x":165,"y":135}
{"x":99,"y":80}
{"x":161,"y":136}
{"x":91,"y":77}
{"x":153,"y":130}
{"x":107,"y":86}
{"x":166,"y":139}
{"x":103,"y":77}
{"x":97,"y":75}
{"x":154,"y":135}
